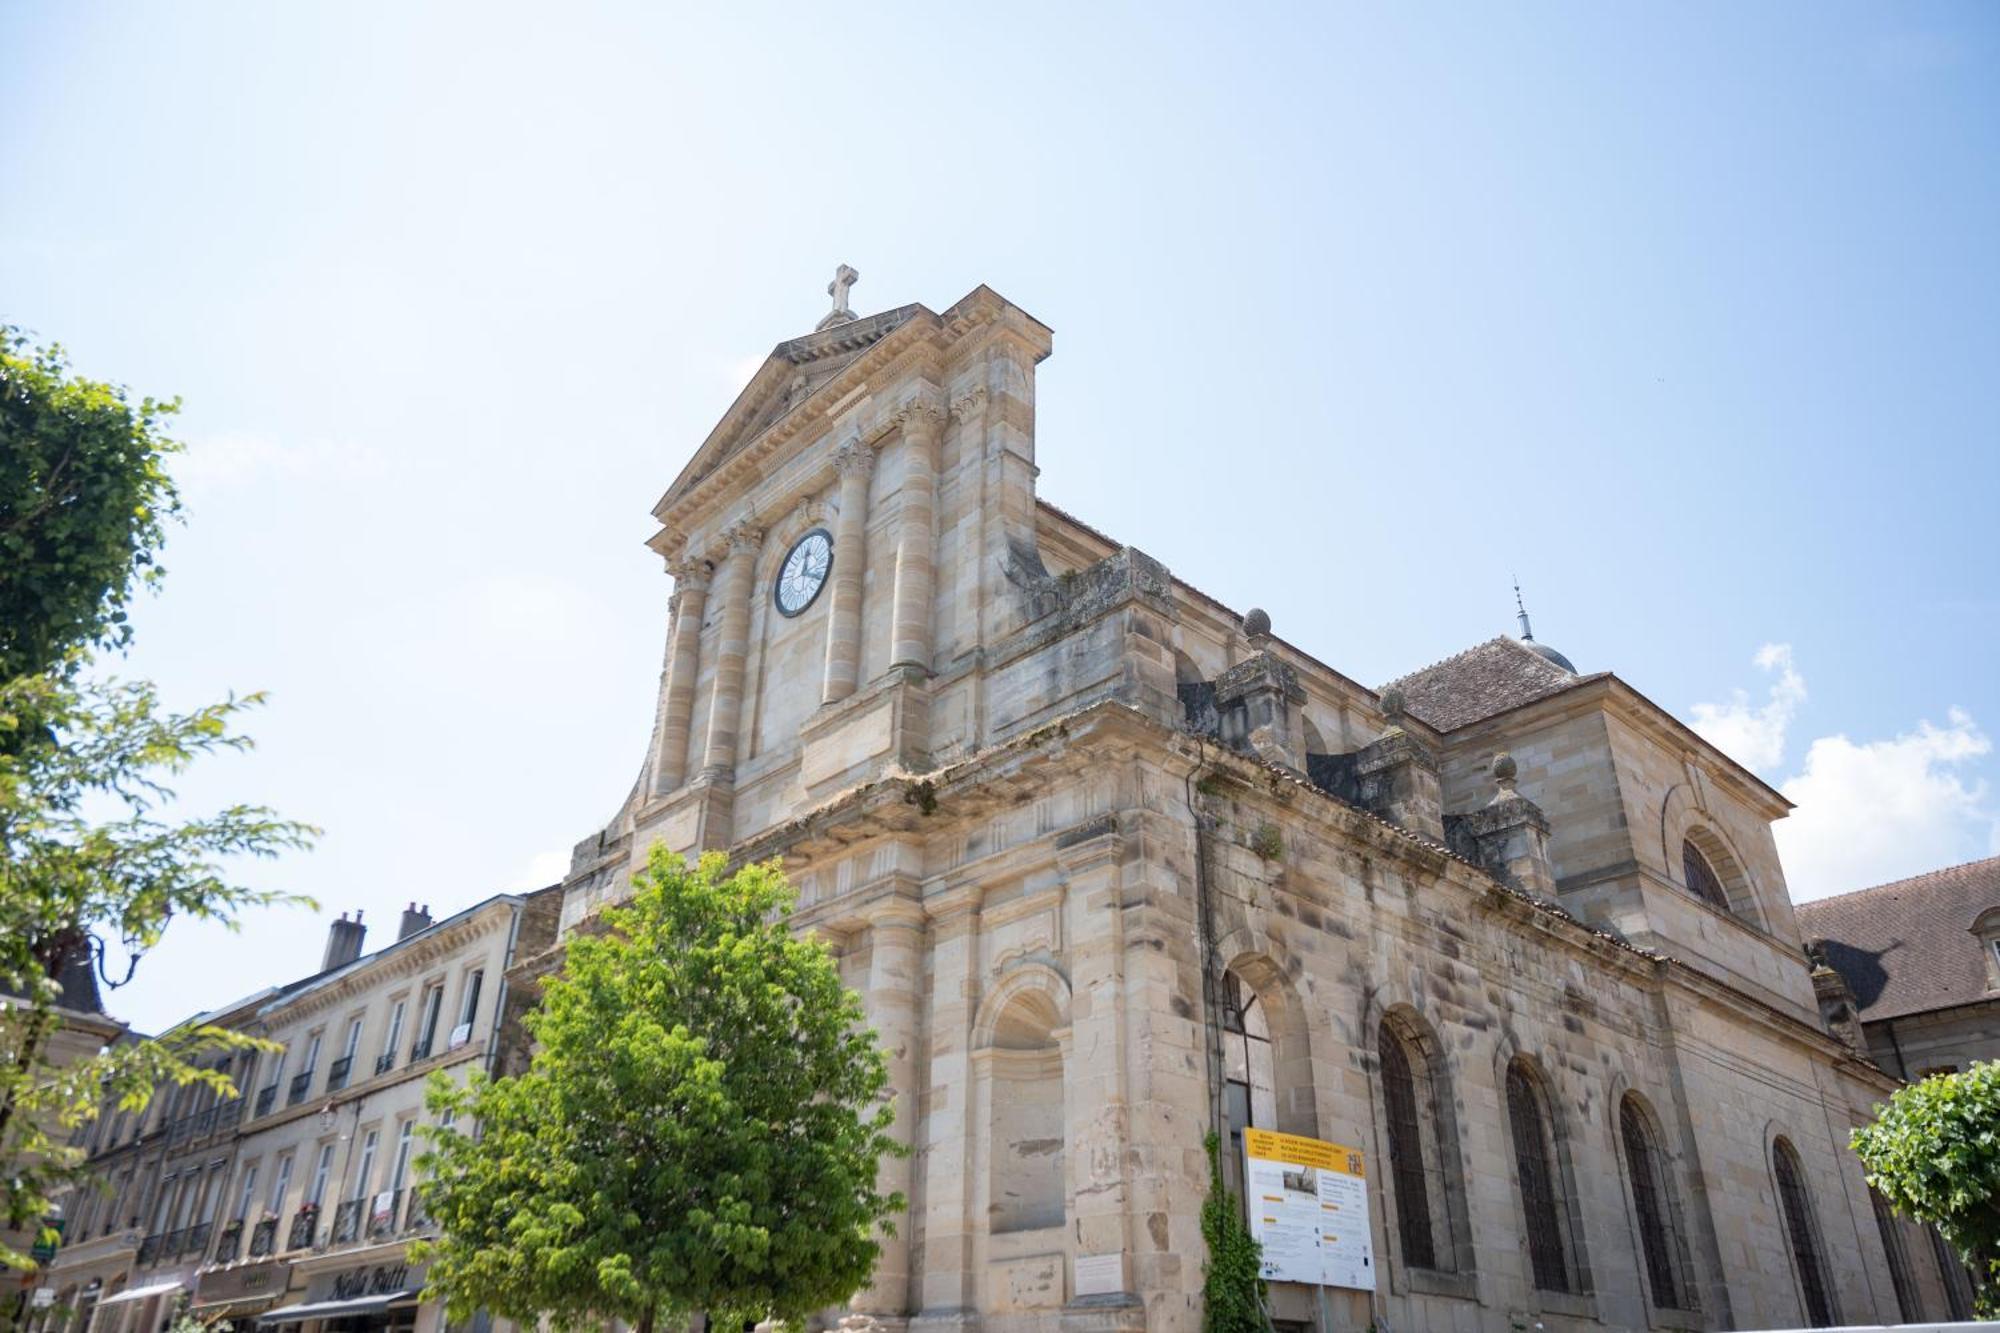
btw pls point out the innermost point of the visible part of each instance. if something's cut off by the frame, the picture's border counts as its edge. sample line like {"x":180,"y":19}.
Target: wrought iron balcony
{"x":174,"y":1242}
{"x":385,"y":1062}
{"x":266,"y":1099}
{"x":149,"y":1249}
{"x":336,"y":1073}
{"x":415,"y":1216}
{"x":420,"y":1051}
{"x":302,"y":1083}
{"x":263,"y":1237}
{"x":304,"y":1223}
{"x":230,"y":1243}
{"x":347,"y":1221}
{"x":204,"y":1124}
{"x":382,"y":1216}
{"x":197,"y":1238}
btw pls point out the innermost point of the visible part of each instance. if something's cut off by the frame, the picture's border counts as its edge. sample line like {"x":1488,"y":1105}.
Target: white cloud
{"x":538,"y":872}
{"x":1868,"y":811}
{"x":1882,"y":810}
{"x":1754,"y":734}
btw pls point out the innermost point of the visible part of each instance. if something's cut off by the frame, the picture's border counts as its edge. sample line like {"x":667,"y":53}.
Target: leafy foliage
{"x":84,"y":854}
{"x":699,"y":1129}
{"x":84,"y":494}
{"x":1232,"y":1290}
{"x":1934,"y":1153}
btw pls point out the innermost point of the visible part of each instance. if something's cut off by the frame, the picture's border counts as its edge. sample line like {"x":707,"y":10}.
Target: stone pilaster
{"x":1398,"y":776}
{"x":916,"y":535}
{"x":1262,"y":706}
{"x":1510,"y":834}
{"x":854,"y":461}
{"x":895,"y":970}
{"x":944,"y":1295}
{"x":683,"y":665}
{"x":1097,"y":1109}
{"x":732,"y":651}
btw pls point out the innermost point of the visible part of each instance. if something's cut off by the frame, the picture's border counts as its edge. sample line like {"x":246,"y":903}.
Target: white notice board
{"x":1309,"y":1210}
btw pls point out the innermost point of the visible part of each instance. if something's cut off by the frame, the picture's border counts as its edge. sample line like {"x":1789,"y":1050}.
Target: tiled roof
{"x":1491,"y":678}
{"x":1907,"y":947}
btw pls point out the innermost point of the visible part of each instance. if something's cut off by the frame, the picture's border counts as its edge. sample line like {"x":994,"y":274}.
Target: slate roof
{"x":1908,"y":947}
{"x":1483,"y":681}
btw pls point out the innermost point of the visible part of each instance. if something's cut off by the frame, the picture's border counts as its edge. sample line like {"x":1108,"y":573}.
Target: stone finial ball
{"x":1503,"y":766}
{"x":1257,"y":622}
{"x":1392,"y":703}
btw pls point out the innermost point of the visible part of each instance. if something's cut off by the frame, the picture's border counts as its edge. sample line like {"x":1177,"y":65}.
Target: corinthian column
{"x":916,"y":536}
{"x":732,"y":649}
{"x":683,"y":665}
{"x":854,"y":461}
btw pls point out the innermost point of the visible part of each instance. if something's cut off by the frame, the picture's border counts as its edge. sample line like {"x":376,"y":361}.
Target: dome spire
{"x":1541,"y":650}
{"x":1521,"y":608}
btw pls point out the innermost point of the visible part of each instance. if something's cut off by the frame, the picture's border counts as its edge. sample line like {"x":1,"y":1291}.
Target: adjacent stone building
{"x":1114,"y":864}
{"x":290,"y":1207}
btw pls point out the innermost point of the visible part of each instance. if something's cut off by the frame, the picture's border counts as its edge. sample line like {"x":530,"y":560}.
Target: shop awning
{"x":139,"y":1293}
{"x":293,"y":1314}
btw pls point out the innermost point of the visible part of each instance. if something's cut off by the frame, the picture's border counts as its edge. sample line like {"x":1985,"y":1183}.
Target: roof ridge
{"x":1447,"y":661}
{"x":1897,"y":883}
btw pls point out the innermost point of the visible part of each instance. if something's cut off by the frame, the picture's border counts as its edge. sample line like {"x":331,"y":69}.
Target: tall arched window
{"x":1652,"y":1201}
{"x":1702,"y":881}
{"x":1543,"y":1204}
{"x":1249,"y":1071}
{"x":1899,"y":1258}
{"x":1408,"y":1161}
{"x":1797,"y":1210}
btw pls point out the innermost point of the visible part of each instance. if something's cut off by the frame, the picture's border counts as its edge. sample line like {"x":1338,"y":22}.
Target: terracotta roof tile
{"x":1908,"y":947}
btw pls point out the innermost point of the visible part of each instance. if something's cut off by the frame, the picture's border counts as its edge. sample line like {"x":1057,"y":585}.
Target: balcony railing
{"x":382,"y":1215}
{"x":174,"y":1242}
{"x":177,"y":1132}
{"x":347,"y":1221}
{"x":197,"y":1238}
{"x":302,"y":1083}
{"x":263,"y":1237}
{"x":415,"y":1216}
{"x":385,"y":1062}
{"x":149,"y":1249}
{"x":336,"y":1073}
{"x":230,"y":1243}
{"x":267,"y":1099}
{"x":304,"y":1223}
{"x":421,"y":1051}
{"x":204,"y":1124}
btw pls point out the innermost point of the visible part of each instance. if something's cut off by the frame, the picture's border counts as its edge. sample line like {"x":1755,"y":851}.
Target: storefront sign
{"x":250,"y":1283}
{"x":353,"y":1283}
{"x":1308,"y":1203}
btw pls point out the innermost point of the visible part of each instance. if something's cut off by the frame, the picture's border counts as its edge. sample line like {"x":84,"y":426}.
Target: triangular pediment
{"x":794,"y":371}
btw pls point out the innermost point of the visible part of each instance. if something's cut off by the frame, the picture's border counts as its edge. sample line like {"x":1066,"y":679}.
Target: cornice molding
{"x":398,"y":962}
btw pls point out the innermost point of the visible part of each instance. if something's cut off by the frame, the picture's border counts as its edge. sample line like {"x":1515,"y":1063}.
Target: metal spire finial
{"x":1520,"y":607}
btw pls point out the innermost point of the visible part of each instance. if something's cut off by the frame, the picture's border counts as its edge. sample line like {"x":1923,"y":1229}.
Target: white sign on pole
{"x":1309,"y":1210}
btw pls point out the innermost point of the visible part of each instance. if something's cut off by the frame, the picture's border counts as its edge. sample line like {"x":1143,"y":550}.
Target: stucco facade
{"x":1066,"y":819}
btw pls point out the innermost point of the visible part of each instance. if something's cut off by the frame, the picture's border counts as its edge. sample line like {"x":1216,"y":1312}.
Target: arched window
{"x":1543,"y":1204}
{"x":1907,"y":1305}
{"x":1700,"y":876}
{"x":1652,"y":1201}
{"x":1797,"y":1210}
{"x":1249,"y":1071}
{"x":1408,"y":1161}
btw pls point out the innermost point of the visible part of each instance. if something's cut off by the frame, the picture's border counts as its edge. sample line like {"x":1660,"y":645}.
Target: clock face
{"x":804,"y":572}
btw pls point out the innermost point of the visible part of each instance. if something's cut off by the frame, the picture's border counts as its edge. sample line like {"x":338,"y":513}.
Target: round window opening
{"x":803,"y":572}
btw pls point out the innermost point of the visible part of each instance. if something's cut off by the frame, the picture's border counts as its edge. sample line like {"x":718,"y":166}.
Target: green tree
{"x":1934,"y":1153}
{"x":84,"y":498}
{"x":699,"y":1129}
{"x":87,"y":858}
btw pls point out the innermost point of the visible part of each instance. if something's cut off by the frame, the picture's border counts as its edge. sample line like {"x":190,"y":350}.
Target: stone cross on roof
{"x":844,"y":279}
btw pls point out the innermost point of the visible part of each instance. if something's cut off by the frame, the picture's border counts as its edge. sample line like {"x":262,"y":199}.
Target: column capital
{"x":954,"y":903}
{"x":690,"y":573}
{"x":897,"y":911}
{"x":922,"y":413}
{"x":742,"y":536}
{"x":853,"y":457}
{"x":973,"y":400}
{"x":1089,"y":847}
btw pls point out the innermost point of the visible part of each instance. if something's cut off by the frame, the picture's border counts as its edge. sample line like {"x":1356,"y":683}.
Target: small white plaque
{"x":1100,"y":1274}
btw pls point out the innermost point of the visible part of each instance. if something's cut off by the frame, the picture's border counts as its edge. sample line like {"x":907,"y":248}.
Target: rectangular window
{"x":470,"y":1009}
{"x":395,"y":1038}
{"x":428,"y":1022}
{"x":366,"y":1171}
{"x":317,"y":1193}
{"x":279,"y":1184}
{"x":403,"y":1146}
{"x":353,"y":1047}
{"x":163,"y":1205}
{"x":215,"y":1193}
{"x":312,"y":1052}
{"x":249,"y":1192}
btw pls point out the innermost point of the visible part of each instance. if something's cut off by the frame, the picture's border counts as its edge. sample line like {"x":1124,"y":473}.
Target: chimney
{"x":343,"y":942}
{"x":414,"y":919}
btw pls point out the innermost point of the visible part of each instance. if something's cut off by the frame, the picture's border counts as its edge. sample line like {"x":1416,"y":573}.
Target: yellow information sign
{"x":1309,"y":1209}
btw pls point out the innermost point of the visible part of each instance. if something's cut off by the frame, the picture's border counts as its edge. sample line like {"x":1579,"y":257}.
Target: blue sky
{"x":1685,"y":315}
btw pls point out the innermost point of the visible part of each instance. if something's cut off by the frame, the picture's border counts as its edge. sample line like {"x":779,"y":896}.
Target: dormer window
{"x":1987,"y":927}
{"x":1700,"y":876}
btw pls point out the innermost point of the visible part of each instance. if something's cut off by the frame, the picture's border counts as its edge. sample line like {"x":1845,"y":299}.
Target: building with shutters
{"x":1114,"y":864}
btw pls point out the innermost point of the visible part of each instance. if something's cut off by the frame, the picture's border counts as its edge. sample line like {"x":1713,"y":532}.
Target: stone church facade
{"x":1113,"y":864}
